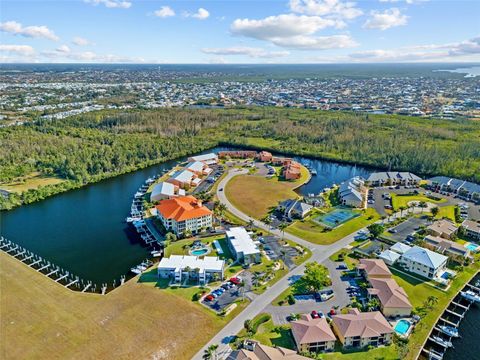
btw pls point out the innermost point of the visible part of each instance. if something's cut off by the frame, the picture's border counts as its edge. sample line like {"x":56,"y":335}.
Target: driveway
{"x":408,"y":227}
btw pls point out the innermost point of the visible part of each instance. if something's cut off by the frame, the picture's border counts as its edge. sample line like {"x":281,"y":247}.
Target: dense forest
{"x":90,"y":147}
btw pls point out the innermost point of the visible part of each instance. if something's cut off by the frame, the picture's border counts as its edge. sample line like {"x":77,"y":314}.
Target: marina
{"x":440,"y":338}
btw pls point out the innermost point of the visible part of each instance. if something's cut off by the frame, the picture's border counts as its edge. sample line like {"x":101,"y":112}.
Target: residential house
{"x":443,"y":228}
{"x":184,"y":213}
{"x":292,"y":208}
{"x":373,"y":268}
{"x":277,"y":160}
{"x":183,"y":267}
{"x":265,"y":156}
{"x":184,"y":179}
{"x":389,"y":257}
{"x":242,"y":246}
{"x":165,"y":190}
{"x":292,"y":171}
{"x":446,"y":247}
{"x":352,"y":192}
{"x":387,"y":178}
{"x":357,"y":330}
{"x":253,"y":350}
{"x":424,"y":262}
{"x":400,"y":248}
{"x":472,"y":229}
{"x":198,"y":168}
{"x":208,"y":159}
{"x":312,"y":335}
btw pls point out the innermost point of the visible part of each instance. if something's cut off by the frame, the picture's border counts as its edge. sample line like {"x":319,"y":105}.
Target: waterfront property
{"x":242,"y":246}
{"x":447,"y":247}
{"x":472,"y":229}
{"x":184,"y":179}
{"x":184,"y":214}
{"x":352,"y":192}
{"x":186,"y":267}
{"x":443,"y":228}
{"x":164,"y":190}
{"x":393,"y":178}
{"x":198,"y":168}
{"x":359,"y":329}
{"x":265,"y":156}
{"x":291,"y":170}
{"x":423,"y":262}
{"x":312,"y":335}
{"x":294,"y":209}
{"x":208,"y":159}
{"x":253,"y":350}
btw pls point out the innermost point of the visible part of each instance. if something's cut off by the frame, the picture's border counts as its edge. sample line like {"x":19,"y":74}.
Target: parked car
{"x":321,"y":314}
{"x":392,"y":231}
{"x":235,"y":280}
{"x":314,"y":314}
{"x":209,"y":297}
{"x":342,"y":266}
{"x":371,"y":201}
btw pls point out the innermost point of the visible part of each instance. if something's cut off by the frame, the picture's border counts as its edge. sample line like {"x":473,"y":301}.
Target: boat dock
{"x":446,"y":328}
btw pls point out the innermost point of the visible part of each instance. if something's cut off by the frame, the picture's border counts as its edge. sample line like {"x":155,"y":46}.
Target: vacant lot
{"x":32,"y":181}
{"x":257,"y":195}
{"x":43,"y":320}
{"x":309,"y":230}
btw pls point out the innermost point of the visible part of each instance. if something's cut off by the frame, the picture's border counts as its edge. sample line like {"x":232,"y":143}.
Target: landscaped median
{"x":399,"y":200}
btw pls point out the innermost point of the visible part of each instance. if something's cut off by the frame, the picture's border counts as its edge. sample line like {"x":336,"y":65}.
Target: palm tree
{"x":187,"y":269}
{"x":210,"y":352}
{"x":267,"y":220}
{"x":282,"y":227}
{"x":435,"y":211}
{"x":283,"y":252}
{"x":432,"y":301}
{"x":197,"y":273}
{"x":422,"y":205}
{"x":250,"y":224}
{"x":402,"y":209}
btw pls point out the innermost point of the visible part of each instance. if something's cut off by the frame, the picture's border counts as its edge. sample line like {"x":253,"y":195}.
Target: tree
{"x":435,"y":211}
{"x":211,"y":352}
{"x":187,"y":233}
{"x":402,"y":209}
{"x":267,"y":220}
{"x":422,"y":205}
{"x":373,"y":304}
{"x":432,"y":301}
{"x":375,"y":229}
{"x":282,"y":227}
{"x":171,"y":237}
{"x":250,"y":223}
{"x":315,"y":277}
{"x":187,"y":269}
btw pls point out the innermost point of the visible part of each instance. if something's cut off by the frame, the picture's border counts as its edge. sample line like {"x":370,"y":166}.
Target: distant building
{"x":242,"y":246}
{"x":183,"y":179}
{"x":352,"y":192}
{"x":393,"y":178}
{"x":423,"y":262}
{"x":312,"y":335}
{"x":443,"y":228}
{"x":292,"y":208}
{"x":282,"y":161}
{"x":209,"y":159}
{"x":356,"y":329}
{"x":464,"y":189}
{"x":265,"y":156}
{"x":472,"y":229}
{"x":446,"y":247}
{"x":292,"y":171}
{"x":198,"y":168}
{"x":181,"y":267}
{"x":184,"y":213}
{"x":165,"y":190}
{"x":239,"y":154}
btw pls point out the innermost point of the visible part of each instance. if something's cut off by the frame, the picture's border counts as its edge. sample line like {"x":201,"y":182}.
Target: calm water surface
{"x":84,"y":232}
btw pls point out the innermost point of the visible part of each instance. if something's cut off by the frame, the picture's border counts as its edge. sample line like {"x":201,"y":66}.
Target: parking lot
{"x":229,"y":294}
{"x":408,"y":227}
{"x":208,"y":182}
{"x":274,"y":249}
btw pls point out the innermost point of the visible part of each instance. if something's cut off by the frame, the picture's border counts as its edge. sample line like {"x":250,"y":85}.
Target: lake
{"x":83,"y":230}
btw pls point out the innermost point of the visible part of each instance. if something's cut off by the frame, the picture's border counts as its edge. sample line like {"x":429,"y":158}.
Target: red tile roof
{"x":182,"y":208}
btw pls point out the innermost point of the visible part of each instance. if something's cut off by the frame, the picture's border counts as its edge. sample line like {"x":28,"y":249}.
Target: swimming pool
{"x":472,"y":247}
{"x":199,"y":252}
{"x":445,"y":275}
{"x":336,"y":217}
{"x":402,"y":327}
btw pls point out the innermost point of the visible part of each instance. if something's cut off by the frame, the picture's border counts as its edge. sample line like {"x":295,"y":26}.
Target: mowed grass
{"x":43,"y":320}
{"x":384,"y":353}
{"x":32,"y":181}
{"x":446,"y":211}
{"x":403,"y":200}
{"x":315,"y":233}
{"x":256,"y":196}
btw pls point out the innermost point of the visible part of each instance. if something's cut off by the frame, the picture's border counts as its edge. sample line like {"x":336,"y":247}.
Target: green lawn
{"x":418,"y":292}
{"x":403,"y":200}
{"x":348,"y":258}
{"x":256,"y":196}
{"x":30,"y":181}
{"x":311,"y":231}
{"x":179,"y":247}
{"x":446,"y":211}
{"x":380,"y":353}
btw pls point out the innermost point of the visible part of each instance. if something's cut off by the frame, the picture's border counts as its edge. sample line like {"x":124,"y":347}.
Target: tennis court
{"x":335,"y":217}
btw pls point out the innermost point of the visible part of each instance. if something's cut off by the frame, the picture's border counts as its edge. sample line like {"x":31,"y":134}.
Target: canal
{"x":83,"y":230}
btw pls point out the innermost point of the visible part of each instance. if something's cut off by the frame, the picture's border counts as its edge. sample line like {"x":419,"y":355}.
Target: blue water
{"x":336,"y":217}
{"x":472,"y":247}
{"x":402,"y":327}
{"x":199,"y":252}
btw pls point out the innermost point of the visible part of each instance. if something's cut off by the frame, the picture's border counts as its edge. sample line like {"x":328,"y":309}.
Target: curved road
{"x":320,"y":253}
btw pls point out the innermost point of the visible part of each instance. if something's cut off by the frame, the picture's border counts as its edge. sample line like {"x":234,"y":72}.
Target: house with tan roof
{"x":443,"y":228}
{"x":312,"y":335}
{"x":253,"y":350}
{"x":377,"y":268}
{"x":265,"y":156}
{"x":357,"y":329}
{"x":198,"y":168}
{"x":184,"y":213}
{"x":183,"y":179}
{"x":472,"y":229}
{"x":446,"y":247}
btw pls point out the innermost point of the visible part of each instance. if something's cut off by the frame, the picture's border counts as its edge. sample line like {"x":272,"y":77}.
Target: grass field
{"x":257,"y":195}
{"x":446,"y":211}
{"x":41,"y":319}
{"x":32,"y":181}
{"x":313,"y":232}
{"x":383,"y":353}
{"x":403,"y":200}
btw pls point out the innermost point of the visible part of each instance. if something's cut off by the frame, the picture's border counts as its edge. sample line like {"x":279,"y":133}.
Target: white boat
{"x":443,"y":342}
{"x":470,"y":296}
{"x":139,"y":194}
{"x":135,"y":270}
{"x":314,"y":172}
{"x":132,"y":219}
{"x":449,"y":330}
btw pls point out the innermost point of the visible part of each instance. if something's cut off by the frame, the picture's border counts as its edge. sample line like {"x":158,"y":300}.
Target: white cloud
{"x":120,"y":4}
{"x":246,"y":51}
{"x":406,"y":1}
{"x":293,"y":31}
{"x":79,"y":41}
{"x":63,"y":53}
{"x":385,"y":20}
{"x":164,"y":12}
{"x":201,"y":14}
{"x":22,"y":50}
{"x":16,"y":28}
{"x":332,"y":8}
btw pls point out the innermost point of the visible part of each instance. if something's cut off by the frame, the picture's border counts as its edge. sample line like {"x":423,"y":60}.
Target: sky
{"x":246,"y":31}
